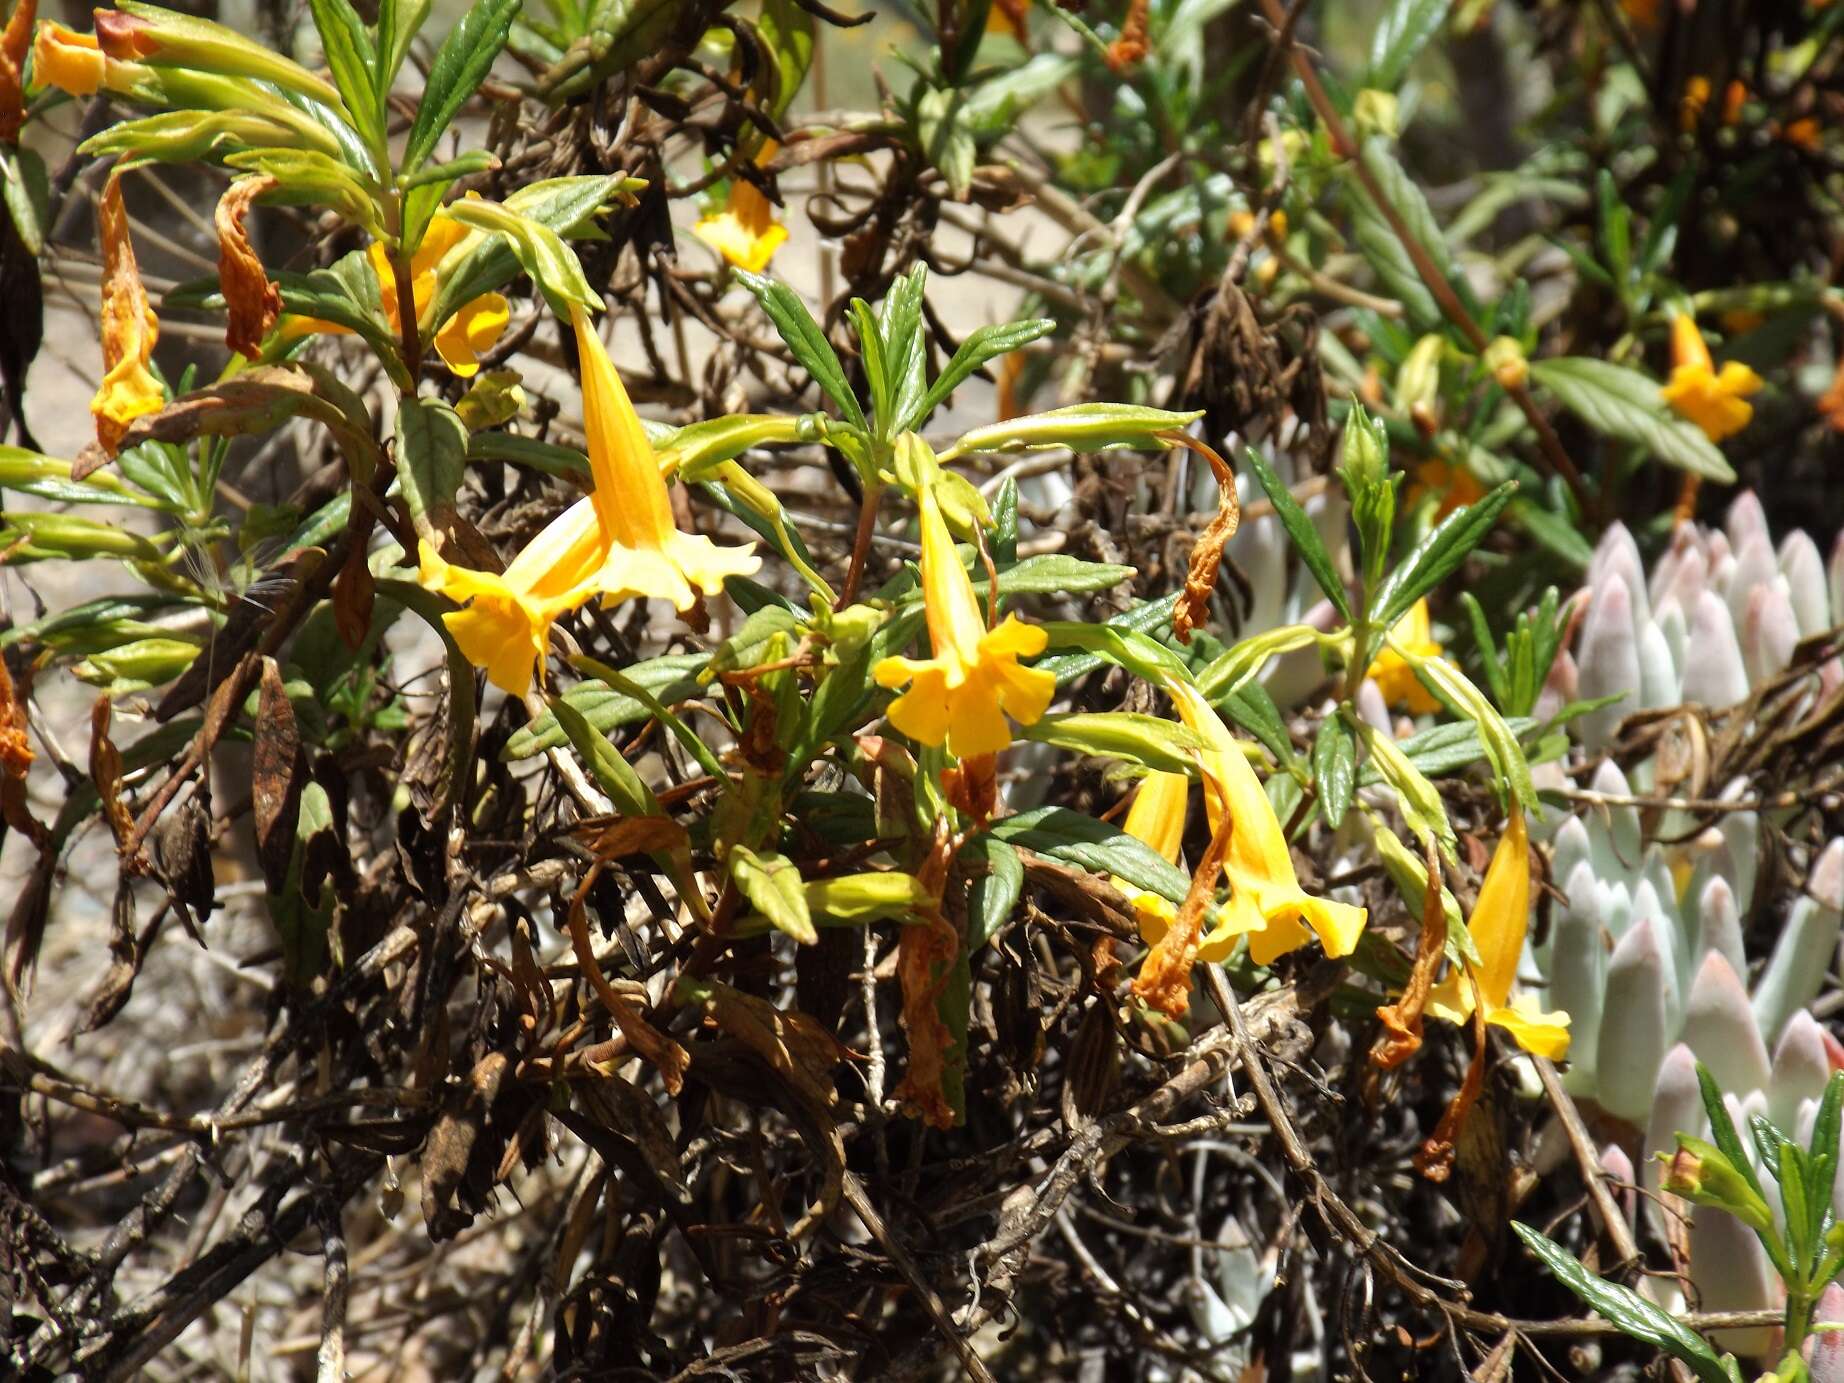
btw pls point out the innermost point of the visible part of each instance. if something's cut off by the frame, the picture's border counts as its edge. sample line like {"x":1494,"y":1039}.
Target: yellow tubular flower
{"x":507,"y":622}
{"x":1157,"y":817}
{"x":70,"y":61}
{"x":1414,"y":632}
{"x":1268,"y":905}
{"x":618,"y":542}
{"x":129,"y":329}
{"x":962,"y":694}
{"x":745,"y":232}
{"x":648,"y":555}
{"x":1497,"y":926}
{"x":1715,"y":402}
{"x":464,"y":337}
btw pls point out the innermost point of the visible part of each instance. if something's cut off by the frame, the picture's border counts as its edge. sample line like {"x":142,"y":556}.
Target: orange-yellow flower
{"x":1157,"y":818}
{"x":464,"y":337}
{"x":1456,"y":485}
{"x":619,"y":542}
{"x":1497,"y":926}
{"x":14,"y":41}
{"x":962,"y":694}
{"x":745,"y":232}
{"x":1395,"y":678}
{"x":1267,"y":904}
{"x":129,"y":329}
{"x":1714,"y":401}
{"x":70,"y":61}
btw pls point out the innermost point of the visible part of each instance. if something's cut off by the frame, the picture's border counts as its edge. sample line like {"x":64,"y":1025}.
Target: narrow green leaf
{"x":805,"y":339}
{"x":1142,"y":619}
{"x":1150,"y":741}
{"x":1626,"y":405}
{"x":1437,"y":556}
{"x":996,"y":880}
{"x":612,"y":773}
{"x":1402,"y":32}
{"x":1631,"y":1312}
{"x":352,"y":60}
{"x":1334,"y":769}
{"x":1301,"y":529}
{"x":982,"y":345}
{"x":1072,"y":838}
{"x":773,"y":886}
{"x":460,"y":65}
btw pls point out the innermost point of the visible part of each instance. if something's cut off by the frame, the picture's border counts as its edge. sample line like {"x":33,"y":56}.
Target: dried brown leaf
{"x":1193,"y":607}
{"x":253,"y":301}
{"x":1164,"y":981}
{"x":277,"y":775}
{"x":1401,"y":1035}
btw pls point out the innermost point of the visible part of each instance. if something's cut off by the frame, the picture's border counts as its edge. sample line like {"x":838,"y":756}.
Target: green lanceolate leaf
{"x":1240,"y":664}
{"x":431,"y":460}
{"x":1416,"y":798}
{"x":668,"y":680}
{"x":612,"y":773}
{"x":946,"y":138}
{"x":1501,"y":746}
{"x":460,"y":65}
{"x":353,"y":62}
{"x":1080,"y":427}
{"x":1625,"y":404}
{"x":1072,"y":838}
{"x":1334,"y":769}
{"x":868,"y":897}
{"x":805,"y":339}
{"x":567,"y":206}
{"x":541,"y":253}
{"x":1402,"y":32}
{"x":1722,"y":1128}
{"x":1438,"y":555}
{"x":1629,"y":1311}
{"x":905,"y":343}
{"x":983,"y":345}
{"x":773,"y":886}
{"x":1300,"y":528}
{"x":876,"y":368}
{"x":1150,"y":741}
{"x":996,"y":879}
{"x":27,"y":194}
{"x":1139,"y":653}
{"x":1378,"y":241}
{"x":1054,"y":574}
{"x":1141,"y":620}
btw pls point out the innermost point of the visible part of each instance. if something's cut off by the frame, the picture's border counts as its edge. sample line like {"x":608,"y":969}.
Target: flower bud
{"x":1418,"y":383}
{"x":1504,"y":357}
{"x":1699,"y":1172}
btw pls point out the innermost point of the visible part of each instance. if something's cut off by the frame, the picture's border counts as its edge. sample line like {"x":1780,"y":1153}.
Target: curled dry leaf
{"x":15,"y":760}
{"x":253,"y":301}
{"x":1164,"y":981}
{"x":1193,"y":606}
{"x":1129,"y":50}
{"x":277,"y":772}
{"x":106,"y":773}
{"x":646,"y":1040}
{"x":129,"y":389}
{"x":1401,"y":1035}
{"x":13,"y":43}
{"x":1434,"y":1160}
{"x":925,"y":955}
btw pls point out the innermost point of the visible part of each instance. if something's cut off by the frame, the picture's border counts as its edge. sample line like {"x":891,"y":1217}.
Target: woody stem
{"x":406,"y":314}
{"x":861,"y":545}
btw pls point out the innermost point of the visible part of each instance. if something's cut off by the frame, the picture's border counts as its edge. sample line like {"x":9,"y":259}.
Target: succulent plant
{"x":1727,"y":596}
